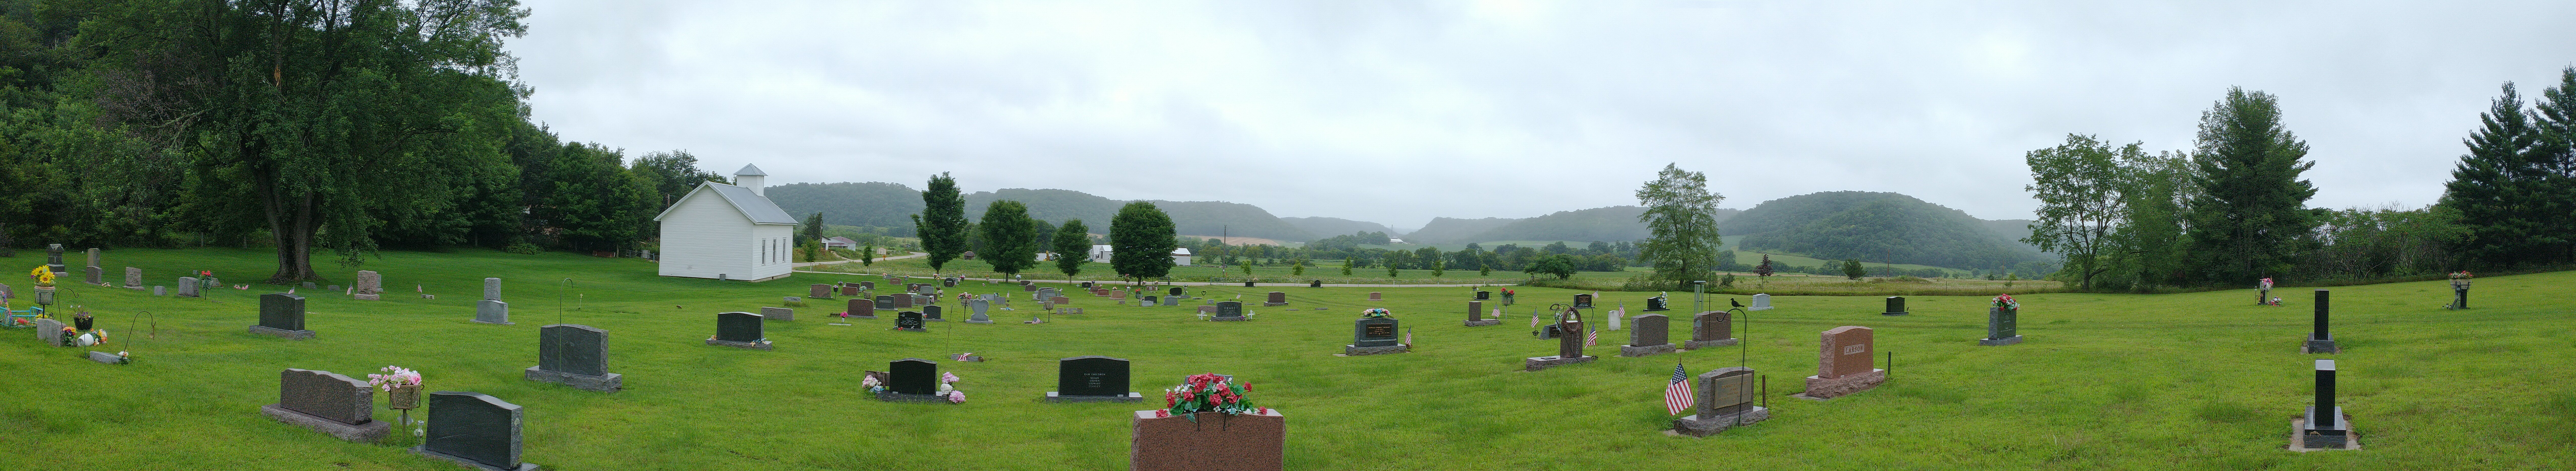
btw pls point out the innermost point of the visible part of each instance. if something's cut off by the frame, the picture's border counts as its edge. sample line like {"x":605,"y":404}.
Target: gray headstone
{"x":370,"y":283}
{"x":932,"y":313}
{"x":492,"y":289}
{"x":1171,"y":301}
{"x":1373,"y":332}
{"x":977,"y":318}
{"x":1712,"y":325}
{"x":777,"y":314}
{"x":1649,"y":330}
{"x":1725,"y":391}
{"x":54,"y":258}
{"x":492,"y":312}
{"x":133,"y":277}
{"x":884,"y":301}
{"x":158,"y":290}
{"x":475,"y":428}
{"x":570,"y":348}
{"x":791,"y":299}
{"x":2002,"y":323}
{"x":979,"y":306}
{"x":738,"y":327}
{"x":1151,"y":300}
{"x":1229,"y":309}
{"x":1761,"y":302}
{"x":49,"y":331}
{"x":93,"y":257}
{"x":308,"y":285}
{"x":1091,"y":376}
{"x":94,"y":274}
{"x":281,"y":311}
{"x":188,"y":287}
{"x":326,"y":395}
{"x":1374,"y":296}
{"x":912,"y":376}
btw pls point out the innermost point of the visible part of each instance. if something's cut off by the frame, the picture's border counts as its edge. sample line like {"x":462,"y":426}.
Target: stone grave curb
{"x":1130,"y":397}
{"x":368,"y":432}
{"x":611,"y":382}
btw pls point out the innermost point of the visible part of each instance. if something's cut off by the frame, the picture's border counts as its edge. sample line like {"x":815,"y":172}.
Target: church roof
{"x":750,"y":170}
{"x":759,"y":209}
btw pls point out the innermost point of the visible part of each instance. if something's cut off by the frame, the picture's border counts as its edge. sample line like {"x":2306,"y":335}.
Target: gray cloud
{"x":1401,"y":111}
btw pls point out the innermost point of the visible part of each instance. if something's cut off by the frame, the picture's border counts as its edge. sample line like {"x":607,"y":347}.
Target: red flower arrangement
{"x":1207,"y":392}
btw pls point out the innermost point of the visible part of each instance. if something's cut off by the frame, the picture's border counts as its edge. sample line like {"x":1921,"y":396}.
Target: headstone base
{"x":1229,"y":318}
{"x":1130,"y":397}
{"x":367,"y":297}
{"x":2300,"y":441}
{"x":1545,"y":362}
{"x":1633,"y":351}
{"x":734,"y":344}
{"x":105,"y":357}
{"x":1999,"y":342}
{"x":901,"y":397}
{"x":1897,"y":313}
{"x":2315,"y":345}
{"x":911,"y":329}
{"x":1699,"y":344}
{"x":371,"y":431}
{"x":424,"y":451}
{"x":1485,"y":322}
{"x":1695,"y":426}
{"x":1355,"y":350}
{"x":1210,"y":441}
{"x":972,"y":321}
{"x":288,"y":334}
{"x":492,"y":312}
{"x":1274,"y":304}
{"x":611,"y":382}
{"x":1822,"y":389}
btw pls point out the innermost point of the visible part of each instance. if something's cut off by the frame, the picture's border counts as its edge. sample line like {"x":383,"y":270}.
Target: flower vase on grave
{"x":403,"y":397}
{"x":81,"y":321}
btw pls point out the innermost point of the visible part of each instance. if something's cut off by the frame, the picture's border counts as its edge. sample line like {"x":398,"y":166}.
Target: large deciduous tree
{"x":942,"y":222}
{"x":1681,"y":223}
{"x":2249,"y":218}
{"x":1072,"y":247}
{"x":2079,"y":185}
{"x":1141,"y":240}
{"x":312,"y":118}
{"x":1010,"y":237}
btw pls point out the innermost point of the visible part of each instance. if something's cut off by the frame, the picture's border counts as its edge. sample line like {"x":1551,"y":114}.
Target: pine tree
{"x":942,"y":222}
{"x":2495,"y":187}
{"x":2249,"y":218}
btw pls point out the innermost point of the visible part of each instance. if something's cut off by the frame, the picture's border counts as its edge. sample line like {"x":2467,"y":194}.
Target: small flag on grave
{"x":1677,"y":393}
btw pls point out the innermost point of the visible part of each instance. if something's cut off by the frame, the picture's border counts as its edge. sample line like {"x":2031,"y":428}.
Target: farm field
{"x":2178,"y":381}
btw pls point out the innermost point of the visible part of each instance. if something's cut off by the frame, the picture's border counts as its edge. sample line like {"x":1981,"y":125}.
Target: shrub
{"x":523,"y":248}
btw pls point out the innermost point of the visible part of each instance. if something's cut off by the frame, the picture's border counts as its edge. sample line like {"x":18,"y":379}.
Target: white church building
{"x":728,"y":232}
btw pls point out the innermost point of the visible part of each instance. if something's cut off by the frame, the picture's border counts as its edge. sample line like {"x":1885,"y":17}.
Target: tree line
{"x":306,"y":126}
{"x":2232,"y":209}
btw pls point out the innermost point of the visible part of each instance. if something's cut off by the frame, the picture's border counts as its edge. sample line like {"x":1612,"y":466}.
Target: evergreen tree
{"x":1346,"y":266}
{"x":1072,"y":247}
{"x":1141,"y":241}
{"x":2249,"y":218}
{"x":1681,"y":218}
{"x":812,"y":229}
{"x":2555,"y":151}
{"x":942,"y":222}
{"x":1853,"y":270}
{"x":868,"y":256}
{"x":1009,"y":237}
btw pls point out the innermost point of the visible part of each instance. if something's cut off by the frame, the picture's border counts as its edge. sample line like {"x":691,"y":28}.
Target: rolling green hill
{"x":876,"y":204}
{"x":892,"y":206}
{"x":1335,"y":226}
{"x":1882,"y":227}
{"x":1453,"y":230}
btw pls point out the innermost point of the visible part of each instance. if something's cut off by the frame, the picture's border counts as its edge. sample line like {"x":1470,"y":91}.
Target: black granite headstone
{"x":1657,"y":304}
{"x":738,"y":327}
{"x":913,"y":376}
{"x":1895,"y":306}
{"x":885,"y":301}
{"x":1583,"y":301}
{"x":1229,"y":309}
{"x":572,"y":348}
{"x":1176,"y":291}
{"x":1091,"y":376}
{"x":1482,"y":295}
{"x":281,"y":311}
{"x":473,"y":428}
{"x":908,"y":320}
{"x":931,"y":313}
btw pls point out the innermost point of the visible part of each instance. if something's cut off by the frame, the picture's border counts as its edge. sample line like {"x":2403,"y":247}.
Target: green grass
{"x":2105,"y":381}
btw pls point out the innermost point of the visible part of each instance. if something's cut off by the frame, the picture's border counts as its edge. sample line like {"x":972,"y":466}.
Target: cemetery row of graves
{"x":835,"y":372}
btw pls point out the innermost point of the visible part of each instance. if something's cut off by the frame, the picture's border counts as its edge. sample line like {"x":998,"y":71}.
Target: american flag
{"x":1677,"y":394}
{"x":1592,"y":338}
{"x":1533,"y":319}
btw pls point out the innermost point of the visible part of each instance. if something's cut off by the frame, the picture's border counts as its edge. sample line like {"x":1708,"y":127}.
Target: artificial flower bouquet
{"x":1208,"y":392}
{"x":2460,"y":275}
{"x":394,"y":377}
{"x":2006,"y":302}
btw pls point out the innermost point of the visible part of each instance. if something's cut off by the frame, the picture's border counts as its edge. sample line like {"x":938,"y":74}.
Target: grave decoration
{"x":475,"y":430}
{"x":2324,"y":426}
{"x":915,"y":380}
{"x":1568,"y":330}
{"x":1207,"y":424}
{"x":1374,"y":333}
{"x":2003,"y":319}
{"x":1844,"y":364}
{"x":1507,"y":296}
{"x":401,"y":387}
{"x":2459,"y":290}
{"x":44,"y":285}
{"x":2263,"y":293}
{"x":1724,"y":400}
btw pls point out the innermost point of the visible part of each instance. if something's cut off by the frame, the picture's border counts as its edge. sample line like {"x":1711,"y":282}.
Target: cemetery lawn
{"x":2176,"y":381}
{"x":1746,"y":283}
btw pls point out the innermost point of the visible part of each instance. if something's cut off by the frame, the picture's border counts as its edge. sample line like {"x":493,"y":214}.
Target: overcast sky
{"x":1397,"y":112}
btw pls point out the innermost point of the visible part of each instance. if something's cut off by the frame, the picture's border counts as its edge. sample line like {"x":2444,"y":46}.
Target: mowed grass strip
{"x":2180,"y":381}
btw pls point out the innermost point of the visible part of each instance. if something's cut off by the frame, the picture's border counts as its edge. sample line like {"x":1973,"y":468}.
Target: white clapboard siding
{"x":705,"y":235}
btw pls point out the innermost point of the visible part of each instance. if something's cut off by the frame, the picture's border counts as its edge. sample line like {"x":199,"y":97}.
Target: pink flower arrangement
{"x":956,"y":397}
{"x":395,"y":376}
{"x":2006,"y":302}
{"x":1207,"y":392}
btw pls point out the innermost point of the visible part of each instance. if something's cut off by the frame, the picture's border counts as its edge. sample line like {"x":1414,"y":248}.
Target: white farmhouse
{"x":728,"y":232}
{"x":1180,"y":256}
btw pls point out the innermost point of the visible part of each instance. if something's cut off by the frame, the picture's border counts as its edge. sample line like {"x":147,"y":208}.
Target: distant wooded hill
{"x":1328,"y":227}
{"x":1879,"y":227}
{"x":891,"y":206}
{"x":1610,"y":224}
